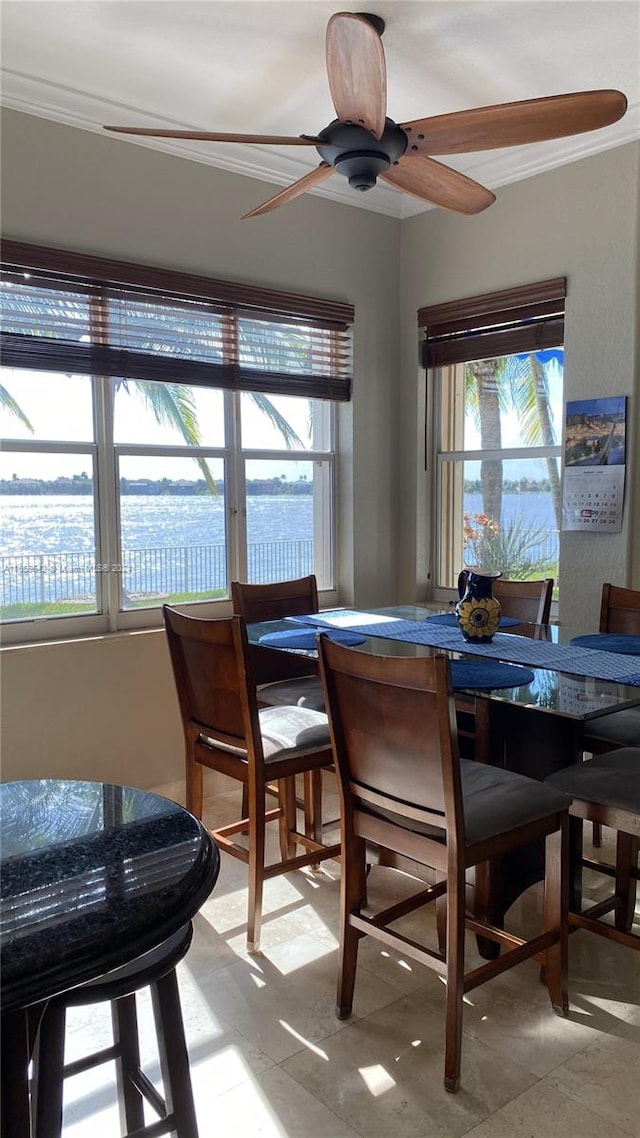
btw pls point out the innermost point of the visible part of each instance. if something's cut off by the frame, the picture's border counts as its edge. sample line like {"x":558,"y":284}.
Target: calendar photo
{"x":595,"y":432}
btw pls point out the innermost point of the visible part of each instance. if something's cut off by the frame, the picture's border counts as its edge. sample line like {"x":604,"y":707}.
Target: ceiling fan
{"x":363,"y":144}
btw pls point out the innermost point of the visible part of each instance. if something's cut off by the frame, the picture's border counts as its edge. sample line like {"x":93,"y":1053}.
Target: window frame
{"x":491,"y":325}
{"x":105,"y":455}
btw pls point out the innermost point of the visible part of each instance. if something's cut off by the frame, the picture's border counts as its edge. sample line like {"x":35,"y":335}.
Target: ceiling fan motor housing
{"x":357,"y":155}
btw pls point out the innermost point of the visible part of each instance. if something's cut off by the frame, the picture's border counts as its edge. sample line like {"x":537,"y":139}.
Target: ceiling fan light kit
{"x":364,"y":144}
{"x":353,"y":152}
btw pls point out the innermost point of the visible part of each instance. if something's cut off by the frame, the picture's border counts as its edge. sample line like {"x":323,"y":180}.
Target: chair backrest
{"x":273,"y":602}
{"x":620,"y":610}
{"x":214,"y":678}
{"x":393,"y":731}
{"x":529,"y":601}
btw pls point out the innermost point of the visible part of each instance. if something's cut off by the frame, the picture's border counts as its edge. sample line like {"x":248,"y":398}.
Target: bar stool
{"x":155,"y":970}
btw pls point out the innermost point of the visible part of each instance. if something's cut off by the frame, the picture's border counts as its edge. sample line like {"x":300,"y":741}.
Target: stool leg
{"x":174,"y":1060}
{"x":14,"y":1067}
{"x":124,"y":1019}
{"x":48,"y":1074}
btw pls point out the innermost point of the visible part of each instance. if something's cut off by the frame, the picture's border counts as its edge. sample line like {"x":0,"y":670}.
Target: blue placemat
{"x":307,"y":638}
{"x":451,"y":619}
{"x":609,"y":642}
{"x":487,"y":674}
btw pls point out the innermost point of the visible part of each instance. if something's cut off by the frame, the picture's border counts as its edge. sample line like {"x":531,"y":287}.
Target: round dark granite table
{"x":91,"y":876}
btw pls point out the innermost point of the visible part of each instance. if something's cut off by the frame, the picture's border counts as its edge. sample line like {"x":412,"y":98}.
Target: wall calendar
{"x":594,"y":465}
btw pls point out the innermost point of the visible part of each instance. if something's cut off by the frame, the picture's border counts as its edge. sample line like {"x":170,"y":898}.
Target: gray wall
{"x":83,"y":710}
{"x":104,"y":707}
{"x":580,"y":222}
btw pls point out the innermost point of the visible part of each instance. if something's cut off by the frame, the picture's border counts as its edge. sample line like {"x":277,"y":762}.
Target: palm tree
{"x":519,"y":382}
{"x":174,"y":404}
{"x":486,"y":397}
{"x":171,"y":403}
{"x":529,"y":385}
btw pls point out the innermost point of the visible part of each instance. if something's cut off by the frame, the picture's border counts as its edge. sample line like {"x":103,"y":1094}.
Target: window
{"x":495,"y":368}
{"x":161,"y":435}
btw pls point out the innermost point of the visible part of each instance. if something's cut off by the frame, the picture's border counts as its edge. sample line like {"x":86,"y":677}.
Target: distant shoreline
{"x":82,"y":485}
{"x":33,"y":487}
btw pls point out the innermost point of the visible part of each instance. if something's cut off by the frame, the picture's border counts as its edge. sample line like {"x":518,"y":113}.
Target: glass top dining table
{"x":534,"y":728}
{"x":550,"y":690}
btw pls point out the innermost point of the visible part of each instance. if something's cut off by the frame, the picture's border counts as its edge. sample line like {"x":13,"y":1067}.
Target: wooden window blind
{"x":524,"y":319}
{"x":69,"y":312}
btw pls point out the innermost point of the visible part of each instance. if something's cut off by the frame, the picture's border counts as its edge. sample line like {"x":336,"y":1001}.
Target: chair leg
{"x":313,"y":809}
{"x":441,"y":918}
{"x":626,"y":858}
{"x":255,"y":866}
{"x":124,"y":1019}
{"x":313,"y":805}
{"x":48,"y":1074}
{"x":596,"y":834}
{"x":352,"y":897}
{"x":556,"y":916}
{"x":195,"y":786}
{"x":174,"y":1059}
{"x":455,"y":979}
{"x":287,"y":820}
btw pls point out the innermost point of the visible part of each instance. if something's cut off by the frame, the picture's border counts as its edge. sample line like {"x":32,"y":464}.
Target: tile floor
{"x":269,"y":1059}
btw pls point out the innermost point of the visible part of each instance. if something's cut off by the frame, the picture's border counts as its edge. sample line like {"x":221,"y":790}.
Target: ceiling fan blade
{"x":208,"y":136}
{"x":514,"y":124}
{"x":324,"y":170}
{"x":357,"y":71}
{"x":440,"y":185}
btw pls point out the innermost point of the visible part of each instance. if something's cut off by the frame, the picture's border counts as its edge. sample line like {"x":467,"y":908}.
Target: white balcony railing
{"x":52,"y":578}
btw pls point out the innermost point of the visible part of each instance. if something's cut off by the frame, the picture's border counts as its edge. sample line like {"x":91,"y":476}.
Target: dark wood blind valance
{"x":527,"y":318}
{"x":64,"y":311}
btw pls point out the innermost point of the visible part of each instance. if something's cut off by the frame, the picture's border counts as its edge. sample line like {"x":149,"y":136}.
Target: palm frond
{"x":291,"y":438}
{"x":174,"y":404}
{"x":8,"y":402}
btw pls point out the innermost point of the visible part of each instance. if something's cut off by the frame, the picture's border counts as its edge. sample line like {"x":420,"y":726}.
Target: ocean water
{"x":38,"y":524}
{"x":172,"y":544}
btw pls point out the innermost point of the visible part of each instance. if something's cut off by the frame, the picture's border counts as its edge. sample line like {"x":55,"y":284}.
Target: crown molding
{"x":278,"y":167}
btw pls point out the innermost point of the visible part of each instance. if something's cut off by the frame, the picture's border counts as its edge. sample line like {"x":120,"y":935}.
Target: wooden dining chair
{"x":528,"y":601}
{"x":619,"y":613}
{"x":226,"y":731}
{"x":606,"y":790}
{"x":404,"y":789}
{"x":284,"y":678}
{"x":620,"y":610}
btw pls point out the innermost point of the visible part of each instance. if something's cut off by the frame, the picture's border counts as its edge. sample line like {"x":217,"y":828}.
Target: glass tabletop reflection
{"x":559,"y":693}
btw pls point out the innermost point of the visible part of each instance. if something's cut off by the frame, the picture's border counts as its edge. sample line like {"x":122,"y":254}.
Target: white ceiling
{"x":258,"y":66}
